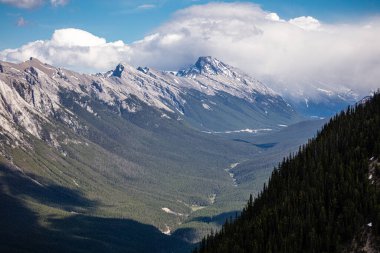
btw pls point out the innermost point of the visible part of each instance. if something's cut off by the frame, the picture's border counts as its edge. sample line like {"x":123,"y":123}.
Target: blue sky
{"x":130,"y":20}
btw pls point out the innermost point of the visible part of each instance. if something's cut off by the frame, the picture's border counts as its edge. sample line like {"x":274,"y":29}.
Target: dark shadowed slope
{"x":24,"y":230}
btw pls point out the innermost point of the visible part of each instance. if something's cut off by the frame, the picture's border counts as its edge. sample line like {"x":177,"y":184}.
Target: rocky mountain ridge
{"x":31,"y":94}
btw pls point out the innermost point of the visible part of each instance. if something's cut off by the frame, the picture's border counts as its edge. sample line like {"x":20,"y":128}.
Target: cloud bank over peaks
{"x":72,"y":48}
{"x":288,"y":54}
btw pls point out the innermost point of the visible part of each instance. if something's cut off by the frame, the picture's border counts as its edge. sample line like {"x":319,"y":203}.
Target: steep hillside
{"x":319,"y":199}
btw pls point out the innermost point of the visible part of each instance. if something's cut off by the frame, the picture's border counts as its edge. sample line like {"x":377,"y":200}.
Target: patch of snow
{"x":247,"y":130}
{"x":212,"y":198}
{"x":370,"y":176}
{"x":206,"y":106}
{"x":36,"y":182}
{"x":168,"y":210}
{"x":195,"y":208}
{"x":328,"y":92}
{"x":281,"y":125}
{"x":75,"y":182}
{"x":228,"y":170}
{"x":167,"y":230}
{"x":89,"y":109}
{"x":72,"y":141}
{"x":233,"y":165}
{"x":23,"y":173}
{"x":181,"y":112}
{"x":316,"y":117}
{"x":171,"y":72}
{"x":369,"y":224}
{"x":165,"y":116}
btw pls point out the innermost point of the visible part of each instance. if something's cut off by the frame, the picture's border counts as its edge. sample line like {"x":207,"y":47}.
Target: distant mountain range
{"x":321,"y":101}
{"x":210,"y":95}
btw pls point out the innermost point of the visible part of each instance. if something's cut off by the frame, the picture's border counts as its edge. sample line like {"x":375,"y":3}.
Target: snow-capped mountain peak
{"x":207,"y":65}
{"x":218,"y":75}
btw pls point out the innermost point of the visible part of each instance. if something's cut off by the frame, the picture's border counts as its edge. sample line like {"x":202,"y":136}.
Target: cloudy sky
{"x":288,"y":44}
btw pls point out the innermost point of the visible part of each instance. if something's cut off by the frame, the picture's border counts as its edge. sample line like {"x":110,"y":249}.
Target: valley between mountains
{"x":109,"y":161}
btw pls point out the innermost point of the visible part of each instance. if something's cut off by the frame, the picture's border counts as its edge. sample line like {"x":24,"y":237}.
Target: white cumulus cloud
{"x":288,"y":54}
{"x":72,"y":48}
{"x":29,"y":4}
{"x":71,"y":37}
{"x":26,"y":4}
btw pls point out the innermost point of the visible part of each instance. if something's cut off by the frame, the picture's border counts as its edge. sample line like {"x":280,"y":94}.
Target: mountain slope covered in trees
{"x":319,"y":199}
